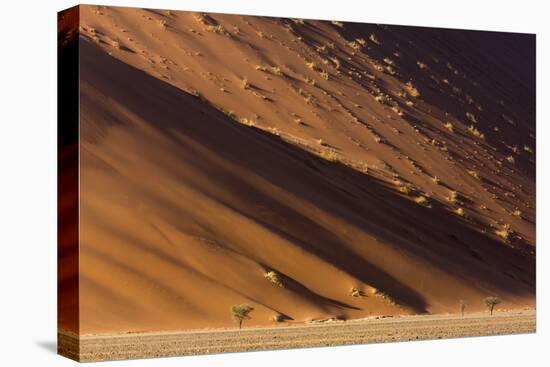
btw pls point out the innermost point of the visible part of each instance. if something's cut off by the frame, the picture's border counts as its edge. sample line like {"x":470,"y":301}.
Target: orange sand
{"x":215,"y":148}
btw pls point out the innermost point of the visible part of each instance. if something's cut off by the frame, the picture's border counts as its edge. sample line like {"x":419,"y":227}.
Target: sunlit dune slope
{"x":216,"y":148}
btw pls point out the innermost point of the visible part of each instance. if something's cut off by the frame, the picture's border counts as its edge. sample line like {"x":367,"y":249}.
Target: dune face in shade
{"x":67,"y":152}
{"x":313,"y":170}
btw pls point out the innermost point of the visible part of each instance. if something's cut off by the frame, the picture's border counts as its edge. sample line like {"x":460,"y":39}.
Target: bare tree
{"x":462,"y":305}
{"x":491,"y":302}
{"x":239,"y":313}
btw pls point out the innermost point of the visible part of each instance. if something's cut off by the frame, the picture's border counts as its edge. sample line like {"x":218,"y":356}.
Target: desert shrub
{"x":239,"y":313}
{"x":474,"y":174}
{"x":381,"y":98}
{"x":491,"y":302}
{"x":411,"y":90}
{"x":218,"y":29}
{"x":355,"y":45}
{"x":422,"y":65}
{"x":422,"y":200}
{"x":374,"y":39}
{"x":260,"y":95}
{"x":474,"y":131}
{"x":460,"y":211}
{"x":397,"y":110}
{"x":404,"y":189}
{"x":322,"y":49}
{"x":309,"y":81}
{"x":276,"y":70}
{"x":201,"y":18}
{"x":470,"y":116}
{"x":517,"y":213}
{"x":504,"y":232}
{"x":329,"y":155}
{"x":462,"y":306}
{"x":384,"y":296}
{"x":247,"y":121}
{"x":354,"y":292}
{"x":273,"y":130}
{"x":390,"y":70}
{"x":274,"y":278}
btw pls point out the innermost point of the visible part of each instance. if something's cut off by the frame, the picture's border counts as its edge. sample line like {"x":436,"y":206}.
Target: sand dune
{"x":215,"y":148}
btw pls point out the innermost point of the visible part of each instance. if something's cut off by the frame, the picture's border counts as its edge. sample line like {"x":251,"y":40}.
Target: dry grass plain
{"x":370,"y":330}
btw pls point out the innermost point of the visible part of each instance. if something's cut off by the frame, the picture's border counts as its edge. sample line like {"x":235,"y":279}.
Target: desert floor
{"x":329,"y":333}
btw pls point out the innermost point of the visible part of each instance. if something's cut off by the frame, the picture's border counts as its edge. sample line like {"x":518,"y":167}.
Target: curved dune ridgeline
{"x":217,"y":148}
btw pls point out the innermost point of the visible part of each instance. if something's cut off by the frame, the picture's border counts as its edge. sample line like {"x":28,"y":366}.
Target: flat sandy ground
{"x":370,"y":330}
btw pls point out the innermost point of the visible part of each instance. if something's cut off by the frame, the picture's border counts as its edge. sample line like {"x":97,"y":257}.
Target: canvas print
{"x":237,"y":183}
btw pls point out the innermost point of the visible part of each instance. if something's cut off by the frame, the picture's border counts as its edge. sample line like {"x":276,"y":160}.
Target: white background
{"x":28,"y":181}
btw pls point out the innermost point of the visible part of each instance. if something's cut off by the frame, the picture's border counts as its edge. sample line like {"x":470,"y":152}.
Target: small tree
{"x":491,"y":302}
{"x":239,"y":313}
{"x":462,"y":305}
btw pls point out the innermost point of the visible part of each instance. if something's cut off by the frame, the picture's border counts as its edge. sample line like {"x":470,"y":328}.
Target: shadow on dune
{"x":485,"y":73}
{"x":297,"y":287}
{"x":437,"y":236}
